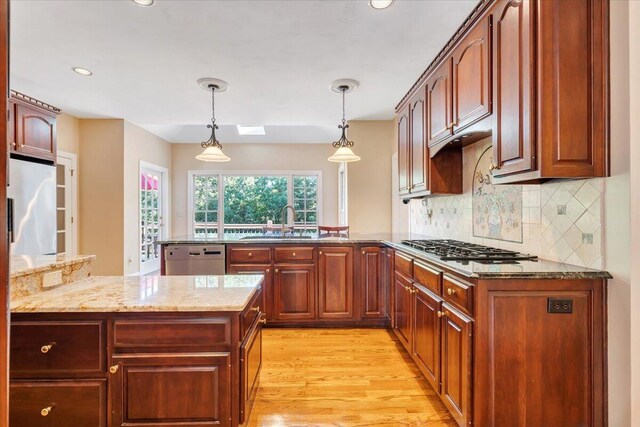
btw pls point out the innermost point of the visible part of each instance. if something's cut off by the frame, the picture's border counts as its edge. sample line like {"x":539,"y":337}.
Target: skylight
{"x":250,"y":130}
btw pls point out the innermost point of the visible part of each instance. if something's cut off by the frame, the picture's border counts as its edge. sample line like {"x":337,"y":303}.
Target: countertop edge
{"x":51,"y":266}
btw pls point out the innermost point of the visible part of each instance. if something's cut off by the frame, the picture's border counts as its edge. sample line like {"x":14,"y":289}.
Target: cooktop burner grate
{"x":454,"y":250}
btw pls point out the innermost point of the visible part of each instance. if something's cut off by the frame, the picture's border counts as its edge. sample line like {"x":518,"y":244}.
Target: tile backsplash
{"x":561,"y":220}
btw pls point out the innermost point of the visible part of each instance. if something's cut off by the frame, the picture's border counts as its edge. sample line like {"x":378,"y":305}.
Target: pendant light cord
{"x":343,"y":110}
{"x":213,"y":105}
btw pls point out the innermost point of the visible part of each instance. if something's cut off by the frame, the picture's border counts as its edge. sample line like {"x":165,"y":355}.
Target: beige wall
{"x":139,"y":145}
{"x":254,"y":157}
{"x":370,"y":179}
{"x":634,"y":111}
{"x":101,"y":172}
{"x":68,"y":133}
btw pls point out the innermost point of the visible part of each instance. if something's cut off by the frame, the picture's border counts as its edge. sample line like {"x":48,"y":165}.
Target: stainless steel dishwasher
{"x":193,"y":260}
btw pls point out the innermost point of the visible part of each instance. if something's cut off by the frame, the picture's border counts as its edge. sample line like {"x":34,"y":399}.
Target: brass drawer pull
{"x":262,"y":321}
{"x":256,"y":308}
{"x":443,"y":313}
{"x":45,"y":348}
{"x":276,"y":270}
{"x":249,"y":254}
{"x":46,"y":411}
{"x":451,"y":291}
{"x":293,"y":254}
{"x":114,"y":369}
{"x":320,"y":252}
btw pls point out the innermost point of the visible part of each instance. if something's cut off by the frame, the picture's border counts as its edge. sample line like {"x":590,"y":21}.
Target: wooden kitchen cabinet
{"x":267,"y":285}
{"x":472,"y":95}
{"x":250,"y":367}
{"x":373,"y":283}
{"x":419,"y":155}
{"x":402,"y":310}
{"x":32,"y":128}
{"x":160,"y":389}
{"x":335,"y":282}
{"x":426,"y":334}
{"x":456,"y":332}
{"x":294,"y":287}
{"x":404,"y":170}
{"x":439,"y":103}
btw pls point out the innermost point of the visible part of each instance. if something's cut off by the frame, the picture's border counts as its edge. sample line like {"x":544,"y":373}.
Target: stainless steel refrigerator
{"x":32,"y":194}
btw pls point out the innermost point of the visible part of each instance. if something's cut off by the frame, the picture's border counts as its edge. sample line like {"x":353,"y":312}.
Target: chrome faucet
{"x":284,"y":218}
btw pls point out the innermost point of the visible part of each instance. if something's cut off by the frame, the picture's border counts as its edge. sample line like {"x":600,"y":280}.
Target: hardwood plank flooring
{"x":341,"y":377}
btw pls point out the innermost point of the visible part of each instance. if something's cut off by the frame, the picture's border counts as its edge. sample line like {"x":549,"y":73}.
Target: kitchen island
{"x":117,"y":351}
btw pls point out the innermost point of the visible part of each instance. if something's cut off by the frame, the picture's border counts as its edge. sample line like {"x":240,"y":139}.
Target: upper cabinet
{"x":533,"y":76}
{"x":419,"y":165}
{"x":32,"y":128}
{"x":402,"y":121}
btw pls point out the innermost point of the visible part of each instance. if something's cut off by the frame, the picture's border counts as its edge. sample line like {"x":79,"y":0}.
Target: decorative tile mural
{"x":561,"y":220}
{"x":497,"y":210}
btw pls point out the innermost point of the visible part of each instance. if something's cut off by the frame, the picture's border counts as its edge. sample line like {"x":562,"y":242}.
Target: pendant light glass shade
{"x":344,"y":154}
{"x":213,"y":154}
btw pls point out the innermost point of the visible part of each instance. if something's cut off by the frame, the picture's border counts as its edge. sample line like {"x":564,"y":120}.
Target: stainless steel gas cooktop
{"x":454,"y":250}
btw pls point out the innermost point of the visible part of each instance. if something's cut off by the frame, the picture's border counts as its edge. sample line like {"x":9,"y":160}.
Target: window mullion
{"x":220,"y":206}
{"x":290,"y":197}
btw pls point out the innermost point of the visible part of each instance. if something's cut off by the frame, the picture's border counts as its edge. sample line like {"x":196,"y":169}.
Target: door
{"x":426,"y":335}
{"x":35,"y":133}
{"x":294,"y":287}
{"x":250,"y":367}
{"x":403,"y":151}
{"x":267,"y":286}
{"x":171,"y":389}
{"x":472,"y":77}
{"x":439,"y":88}
{"x":402,"y":309}
{"x":66,"y":207}
{"x":372,"y":283}
{"x":456,"y":363}
{"x":513,"y":143}
{"x":419,"y":155}
{"x":335,"y":283}
{"x":152,"y":214}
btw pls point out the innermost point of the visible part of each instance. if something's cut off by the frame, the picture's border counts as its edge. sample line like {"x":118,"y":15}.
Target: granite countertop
{"x":21,"y":265}
{"x":144,"y":294}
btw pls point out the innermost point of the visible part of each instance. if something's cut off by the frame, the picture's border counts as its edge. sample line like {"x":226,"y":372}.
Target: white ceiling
{"x":278,"y":57}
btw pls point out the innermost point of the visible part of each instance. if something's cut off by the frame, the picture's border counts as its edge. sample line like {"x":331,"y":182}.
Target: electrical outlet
{"x":563,"y":306}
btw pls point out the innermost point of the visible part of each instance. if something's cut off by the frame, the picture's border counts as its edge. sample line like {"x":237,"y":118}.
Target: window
{"x":253,"y":203}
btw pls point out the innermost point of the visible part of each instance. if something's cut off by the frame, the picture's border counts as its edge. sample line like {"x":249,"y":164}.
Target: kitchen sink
{"x":276,"y":237}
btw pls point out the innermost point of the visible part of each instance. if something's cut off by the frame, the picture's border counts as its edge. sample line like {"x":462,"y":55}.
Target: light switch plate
{"x":52,"y":278}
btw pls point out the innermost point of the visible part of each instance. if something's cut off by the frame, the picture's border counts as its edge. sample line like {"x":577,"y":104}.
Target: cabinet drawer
{"x":44,"y":348}
{"x":458,"y":293}
{"x":294,"y":254}
{"x":58,"y":403}
{"x":181,"y":334}
{"x":404,"y":264}
{"x":249,"y":254}
{"x":250,"y":314}
{"x":429,"y":277}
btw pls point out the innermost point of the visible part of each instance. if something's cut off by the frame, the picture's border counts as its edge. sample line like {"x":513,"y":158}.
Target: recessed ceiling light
{"x":250,"y":130}
{"x":144,"y":3}
{"x":380,"y":4}
{"x":82,"y":71}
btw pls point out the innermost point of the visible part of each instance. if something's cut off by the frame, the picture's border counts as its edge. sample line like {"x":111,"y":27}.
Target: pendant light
{"x":212,"y":147}
{"x":343,"y":145}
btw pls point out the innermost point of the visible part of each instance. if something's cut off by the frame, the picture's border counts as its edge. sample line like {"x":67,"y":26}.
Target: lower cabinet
{"x":59,"y":403}
{"x":294,"y":296}
{"x":267,"y":288}
{"x":171,"y":389}
{"x":426,"y":335}
{"x":402,"y":309}
{"x":372,"y":282}
{"x":456,"y":334}
{"x":250,"y":367}
{"x":335,"y":283}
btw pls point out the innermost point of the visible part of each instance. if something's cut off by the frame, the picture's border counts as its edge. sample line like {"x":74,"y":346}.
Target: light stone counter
{"x":21,"y":265}
{"x":144,"y":294}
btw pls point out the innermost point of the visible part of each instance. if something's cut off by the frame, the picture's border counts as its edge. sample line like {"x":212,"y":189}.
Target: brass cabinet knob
{"x":451,"y":291}
{"x":443,"y":313}
{"x":249,"y":254}
{"x":45,"y":348}
{"x":256,"y":308}
{"x":262,"y":321}
{"x":293,"y":254}
{"x":267,"y":270}
{"x":46,"y":411}
{"x":320,"y":252}
{"x":440,"y":314}
{"x":276,"y":270}
{"x":114,"y":369}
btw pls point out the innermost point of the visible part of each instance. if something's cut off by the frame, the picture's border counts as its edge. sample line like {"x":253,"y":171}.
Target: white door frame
{"x":71,"y":188}
{"x":164,"y":208}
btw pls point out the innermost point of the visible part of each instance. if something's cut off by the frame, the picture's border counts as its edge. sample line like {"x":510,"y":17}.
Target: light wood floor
{"x":341,"y":377}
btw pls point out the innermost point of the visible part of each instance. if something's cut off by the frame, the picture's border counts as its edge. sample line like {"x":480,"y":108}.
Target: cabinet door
{"x":372,"y":283}
{"x":250,"y":367}
{"x":267,"y":285}
{"x":419,"y":156}
{"x":35,"y":133}
{"x":403,"y":151}
{"x":439,"y":89}
{"x":513,"y":138}
{"x":76,"y":403}
{"x":294,"y":287}
{"x":335,"y":283}
{"x":426,"y":335}
{"x":402,"y":310}
{"x":387,"y":280}
{"x":171,"y":389}
{"x":456,"y":364}
{"x":472,"y":77}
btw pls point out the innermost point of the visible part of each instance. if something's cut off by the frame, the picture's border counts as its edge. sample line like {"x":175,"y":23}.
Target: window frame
{"x":221,"y":174}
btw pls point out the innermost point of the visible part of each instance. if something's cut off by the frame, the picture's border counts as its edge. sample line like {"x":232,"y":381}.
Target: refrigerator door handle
{"x":10,"y":219}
